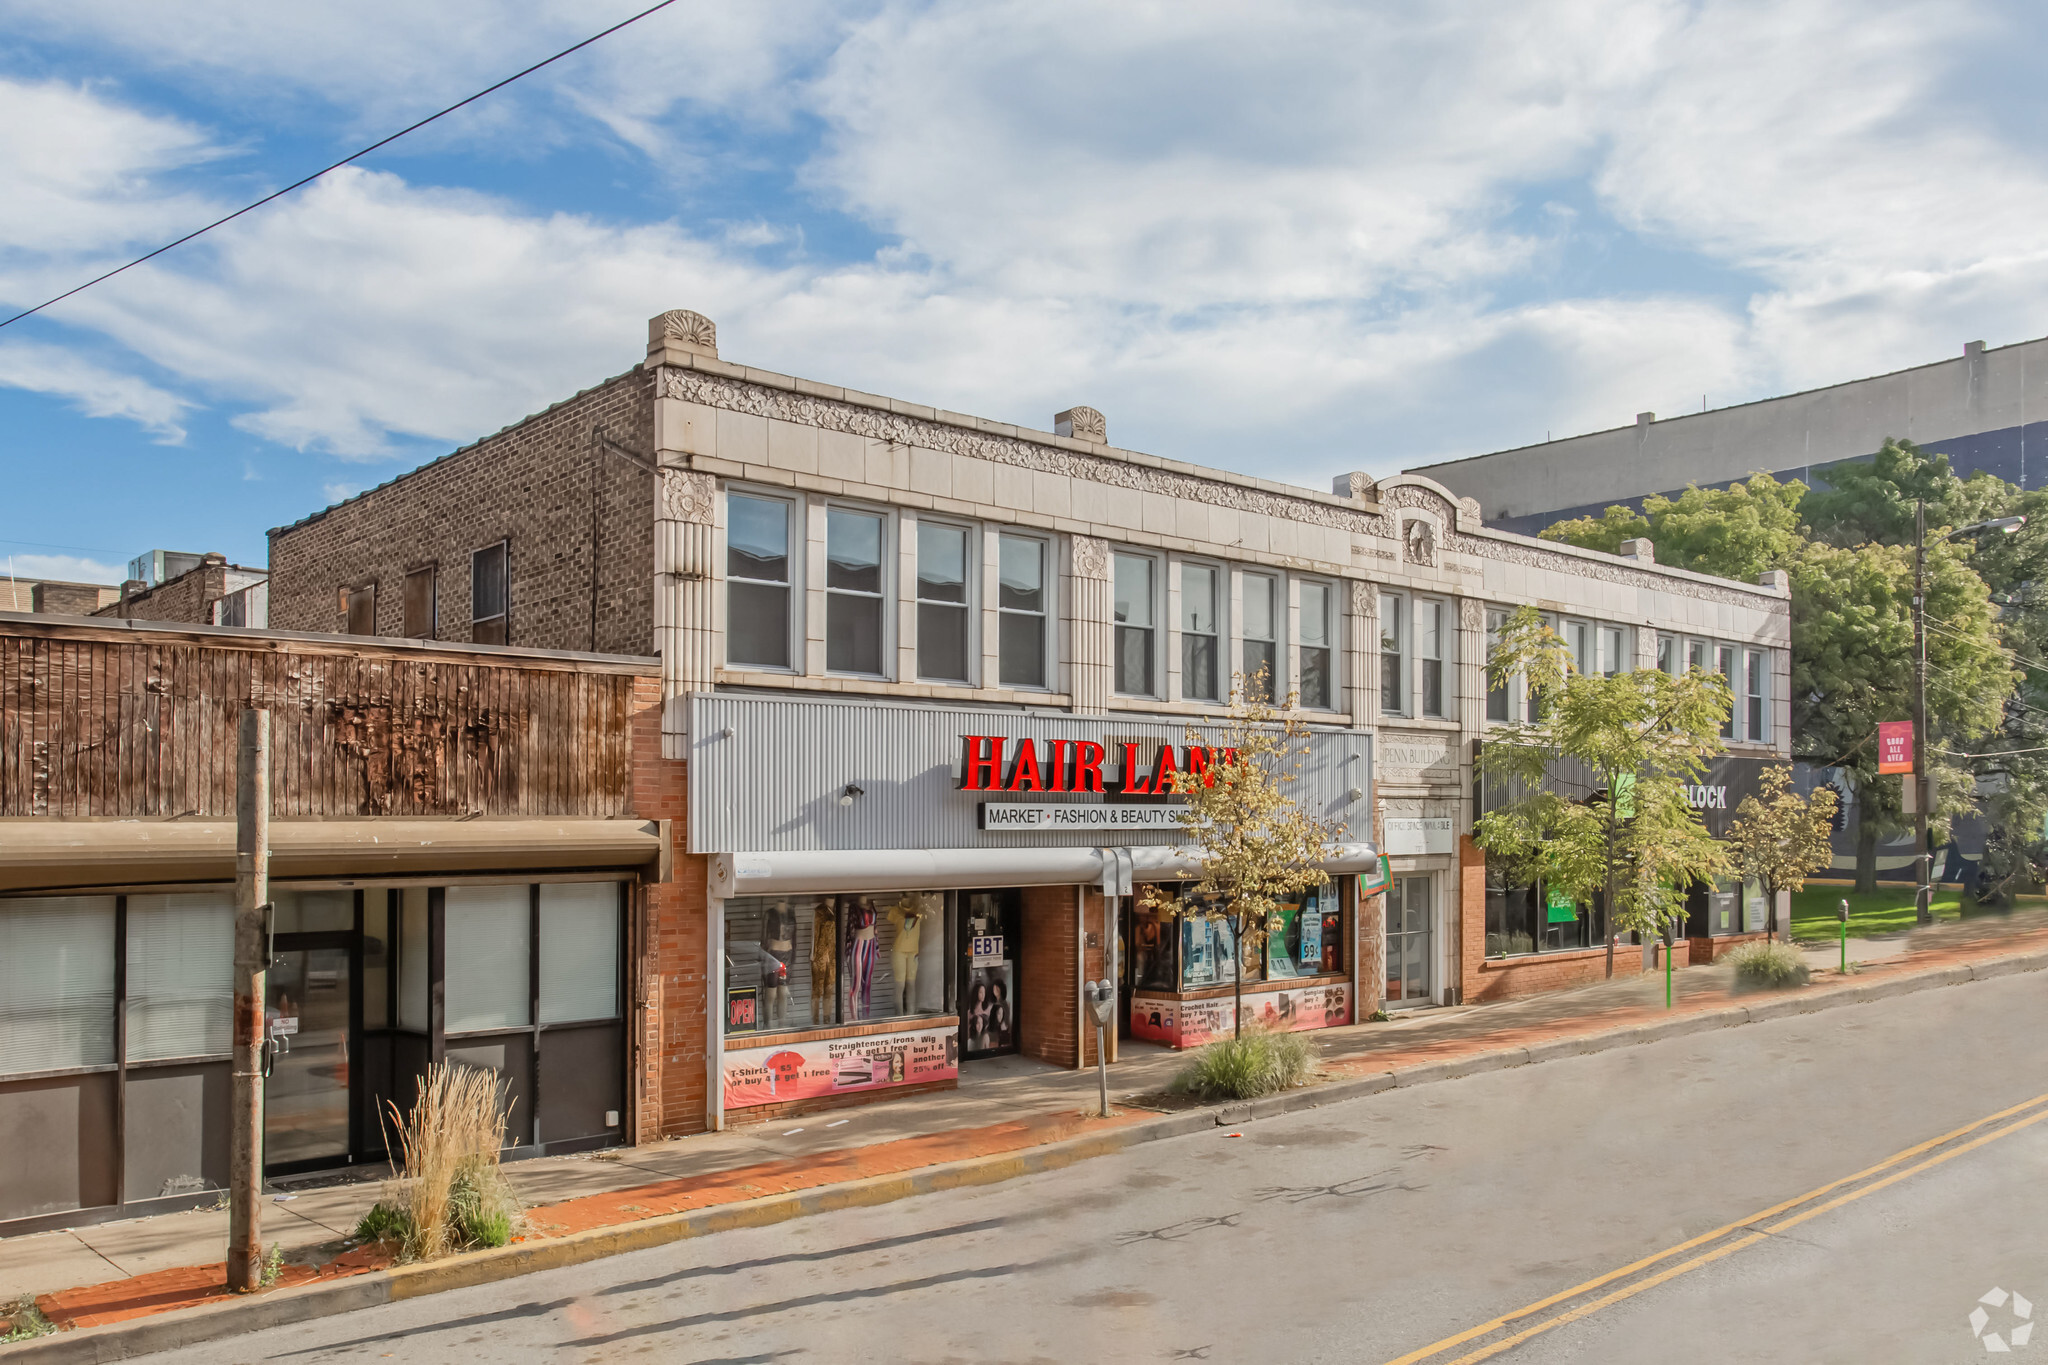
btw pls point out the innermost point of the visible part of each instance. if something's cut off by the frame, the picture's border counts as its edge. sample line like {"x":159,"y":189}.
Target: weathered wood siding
{"x":144,"y":724}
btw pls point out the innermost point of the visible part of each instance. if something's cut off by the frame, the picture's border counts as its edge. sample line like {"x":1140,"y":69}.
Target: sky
{"x":1289,"y":239}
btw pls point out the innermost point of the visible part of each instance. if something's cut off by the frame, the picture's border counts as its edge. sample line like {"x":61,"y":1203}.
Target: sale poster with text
{"x":839,"y":1066}
{"x":1191,"y":1023}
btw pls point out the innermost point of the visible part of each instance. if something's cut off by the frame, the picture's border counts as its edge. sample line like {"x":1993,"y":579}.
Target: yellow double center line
{"x":1867,"y":1181}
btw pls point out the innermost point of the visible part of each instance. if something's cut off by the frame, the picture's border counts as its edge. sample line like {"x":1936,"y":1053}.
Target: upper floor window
{"x":757,"y":611}
{"x":489,"y":584}
{"x":854,"y":616}
{"x":1578,"y":639}
{"x":942,"y":617}
{"x":1393,"y":654}
{"x":1496,"y":689}
{"x":1199,"y":633}
{"x":1318,"y":655}
{"x":1667,"y":654}
{"x":1022,"y":606}
{"x":1136,"y":643}
{"x":1614,"y":651}
{"x":1429,"y":651}
{"x":1260,"y":654}
{"x":1724,"y":664}
{"x":1757,"y":693}
{"x":359,"y":610}
{"x":1695,"y":656}
{"x":420,"y":607}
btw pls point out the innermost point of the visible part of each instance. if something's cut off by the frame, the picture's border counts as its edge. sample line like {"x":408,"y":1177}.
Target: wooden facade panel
{"x":147,"y":727}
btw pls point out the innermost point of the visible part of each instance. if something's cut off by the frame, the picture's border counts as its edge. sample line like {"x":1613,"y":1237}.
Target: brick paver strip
{"x":1512,"y":1025}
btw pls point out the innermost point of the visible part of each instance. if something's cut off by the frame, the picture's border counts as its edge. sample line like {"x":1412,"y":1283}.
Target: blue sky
{"x":1290,"y":239}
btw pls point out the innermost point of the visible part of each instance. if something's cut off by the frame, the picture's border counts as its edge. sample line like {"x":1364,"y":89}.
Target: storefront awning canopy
{"x":938,"y":869}
{"x":60,"y":854}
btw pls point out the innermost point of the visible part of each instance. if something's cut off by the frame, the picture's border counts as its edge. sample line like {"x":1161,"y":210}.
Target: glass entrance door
{"x":306,"y":1022}
{"x":1411,"y":974}
{"x":988,"y":991}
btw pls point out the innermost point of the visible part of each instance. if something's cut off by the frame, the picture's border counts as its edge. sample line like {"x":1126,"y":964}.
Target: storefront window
{"x":989,"y":1002}
{"x":1522,"y":916}
{"x":796,"y":962}
{"x":489,"y":938}
{"x":1306,"y":938}
{"x":56,"y":983}
{"x":181,"y":958}
{"x":1154,"y":936}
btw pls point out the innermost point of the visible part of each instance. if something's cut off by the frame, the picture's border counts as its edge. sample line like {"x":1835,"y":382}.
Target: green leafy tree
{"x":1735,"y":532}
{"x":1781,"y":838}
{"x":1873,"y":500}
{"x":1646,"y":736}
{"x":1257,"y":848}
{"x":1852,"y":667}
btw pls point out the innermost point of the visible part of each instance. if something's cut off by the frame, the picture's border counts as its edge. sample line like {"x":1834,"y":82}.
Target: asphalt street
{"x":1374,"y":1230}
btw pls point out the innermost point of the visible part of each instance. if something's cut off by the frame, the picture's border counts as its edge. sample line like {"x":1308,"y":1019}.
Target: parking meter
{"x":1843,"y":915}
{"x":1101,"y":998}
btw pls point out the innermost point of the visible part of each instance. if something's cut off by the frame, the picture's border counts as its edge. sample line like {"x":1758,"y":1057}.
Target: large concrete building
{"x":926,"y":668}
{"x":1986,"y":409}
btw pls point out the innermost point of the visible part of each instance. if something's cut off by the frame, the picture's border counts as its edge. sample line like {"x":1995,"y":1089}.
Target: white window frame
{"x":1333,"y":638}
{"x":1280,"y":620}
{"x":1496,"y":619}
{"x":1444,"y":660}
{"x":1670,"y":654}
{"x":1398,"y":689}
{"x":890,"y":595}
{"x":1220,"y":635}
{"x":1160,"y":609}
{"x":796,"y":530}
{"x":1727,"y":661}
{"x":1756,"y":713}
{"x":1618,"y":638}
{"x":969,"y":605}
{"x":1048,"y":614}
{"x":1586,"y":662}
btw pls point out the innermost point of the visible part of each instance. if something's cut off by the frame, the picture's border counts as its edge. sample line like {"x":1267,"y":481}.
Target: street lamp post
{"x":1923,"y":899}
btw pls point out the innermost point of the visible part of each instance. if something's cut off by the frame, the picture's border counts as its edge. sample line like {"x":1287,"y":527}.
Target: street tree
{"x":1735,"y":532}
{"x":1852,"y":667}
{"x":1645,"y":737}
{"x":1873,"y":500}
{"x":1780,"y":838}
{"x":1256,"y":847}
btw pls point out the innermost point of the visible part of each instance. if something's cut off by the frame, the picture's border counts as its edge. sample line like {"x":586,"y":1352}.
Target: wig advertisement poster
{"x":837,"y":1066}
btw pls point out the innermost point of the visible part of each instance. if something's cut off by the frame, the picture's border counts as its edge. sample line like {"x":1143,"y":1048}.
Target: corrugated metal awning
{"x":55,"y":854}
{"x":939,"y":869}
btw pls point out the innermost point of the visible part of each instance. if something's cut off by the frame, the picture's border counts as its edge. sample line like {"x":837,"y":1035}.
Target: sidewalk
{"x":1008,"y":1117}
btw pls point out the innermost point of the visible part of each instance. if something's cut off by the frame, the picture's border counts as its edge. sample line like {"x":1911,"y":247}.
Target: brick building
{"x":473,"y":858}
{"x":922,"y":671}
{"x":197,"y":589}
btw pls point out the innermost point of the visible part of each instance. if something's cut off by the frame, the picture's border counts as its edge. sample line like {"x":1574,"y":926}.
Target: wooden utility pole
{"x":252,"y":960}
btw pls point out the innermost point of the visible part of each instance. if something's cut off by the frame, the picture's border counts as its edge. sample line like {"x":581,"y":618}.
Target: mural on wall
{"x":1191,"y":1023}
{"x":839,"y":1066}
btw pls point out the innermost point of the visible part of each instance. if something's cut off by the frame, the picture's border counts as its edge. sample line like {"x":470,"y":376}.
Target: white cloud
{"x":93,"y":389}
{"x":62,"y":568}
{"x":339,"y":492}
{"x":1290,"y":237}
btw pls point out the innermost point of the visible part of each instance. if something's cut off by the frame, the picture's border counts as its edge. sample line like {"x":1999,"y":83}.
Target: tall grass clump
{"x":450,"y":1193}
{"x":1768,"y":966}
{"x":1257,"y":1062}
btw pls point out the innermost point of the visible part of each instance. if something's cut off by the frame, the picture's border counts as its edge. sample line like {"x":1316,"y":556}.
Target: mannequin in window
{"x":824,"y":959}
{"x":908,"y":916}
{"x":862,"y":953}
{"x":778,"y":953}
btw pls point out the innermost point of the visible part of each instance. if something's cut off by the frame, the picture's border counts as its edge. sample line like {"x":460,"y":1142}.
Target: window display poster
{"x":1312,"y":938}
{"x":989,"y":1015}
{"x":839,"y":1066}
{"x":1191,"y":1023}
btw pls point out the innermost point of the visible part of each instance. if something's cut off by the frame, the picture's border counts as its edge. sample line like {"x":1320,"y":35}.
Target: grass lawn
{"x":1888,"y":911}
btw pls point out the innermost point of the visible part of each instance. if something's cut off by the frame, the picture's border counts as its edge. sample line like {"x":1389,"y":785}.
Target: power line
{"x":2004,"y":649}
{"x":354,"y":156}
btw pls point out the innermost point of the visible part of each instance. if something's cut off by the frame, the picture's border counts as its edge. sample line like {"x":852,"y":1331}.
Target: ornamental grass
{"x":450,"y":1194}
{"x":1767,"y":966}
{"x":1258,"y":1062}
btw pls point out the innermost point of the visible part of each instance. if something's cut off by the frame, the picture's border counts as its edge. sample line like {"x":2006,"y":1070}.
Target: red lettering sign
{"x":983,"y":771}
{"x":1895,"y":746}
{"x":1132,"y":784}
{"x":1087,"y":766}
{"x":1059,"y":764}
{"x":1024,"y":774}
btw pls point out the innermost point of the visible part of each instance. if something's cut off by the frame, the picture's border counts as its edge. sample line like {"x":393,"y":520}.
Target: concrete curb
{"x":168,"y":1331}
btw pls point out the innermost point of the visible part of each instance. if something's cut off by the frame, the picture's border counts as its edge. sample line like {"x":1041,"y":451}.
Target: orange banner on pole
{"x":1895,"y":746}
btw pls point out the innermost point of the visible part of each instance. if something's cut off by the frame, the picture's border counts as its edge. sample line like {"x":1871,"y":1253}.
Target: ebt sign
{"x":992,"y":763}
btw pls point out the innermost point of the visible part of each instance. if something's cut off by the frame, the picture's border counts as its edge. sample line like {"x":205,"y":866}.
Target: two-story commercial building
{"x":927,"y":672}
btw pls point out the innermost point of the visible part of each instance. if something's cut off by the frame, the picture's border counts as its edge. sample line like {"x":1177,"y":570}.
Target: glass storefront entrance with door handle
{"x":1411,"y":962}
